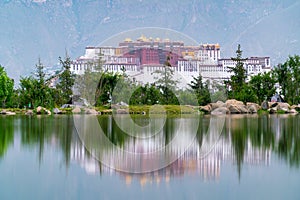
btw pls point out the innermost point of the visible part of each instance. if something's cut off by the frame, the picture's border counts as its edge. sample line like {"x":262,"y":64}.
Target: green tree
{"x":246,"y":94}
{"x":283,"y":75}
{"x":288,"y":77}
{"x":6,"y":86}
{"x":187,"y":97}
{"x":238,"y":80}
{"x":263,"y":85}
{"x":218,"y":92}
{"x":34,"y":90}
{"x":293,"y":92}
{"x":14,"y":100}
{"x":166,"y":82}
{"x":43,"y":92}
{"x":66,"y":80}
{"x":86,"y":85}
{"x":145,"y":95}
{"x":200,"y":90}
{"x":105,"y":87}
{"x":28,"y":92}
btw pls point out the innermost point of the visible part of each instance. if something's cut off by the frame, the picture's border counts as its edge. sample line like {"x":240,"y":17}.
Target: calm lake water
{"x":232,"y":157}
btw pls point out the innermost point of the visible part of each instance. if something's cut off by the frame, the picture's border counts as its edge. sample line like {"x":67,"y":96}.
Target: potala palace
{"x":140,"y":58}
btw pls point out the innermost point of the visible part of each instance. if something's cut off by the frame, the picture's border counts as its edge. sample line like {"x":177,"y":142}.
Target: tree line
{"x":98,"y":86}
{"x":284,"y":79}
{"x":36,"y":90}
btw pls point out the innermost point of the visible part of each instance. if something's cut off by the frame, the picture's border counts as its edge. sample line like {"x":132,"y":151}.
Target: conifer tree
{"x":166,"y":82}
{"x":236,"y":86}
{"x":201,"y":90}
{"x":66,"y":80}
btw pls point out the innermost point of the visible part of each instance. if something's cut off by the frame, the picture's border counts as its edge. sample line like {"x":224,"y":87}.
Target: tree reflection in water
{"x":6,"y":133}
{"x":245,"y":139}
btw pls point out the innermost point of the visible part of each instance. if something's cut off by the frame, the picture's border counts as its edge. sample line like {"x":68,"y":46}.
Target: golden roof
{"x":127,"y":40}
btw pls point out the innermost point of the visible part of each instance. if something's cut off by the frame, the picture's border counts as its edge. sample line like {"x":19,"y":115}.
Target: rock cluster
{"x":233,"y":106}
{"x":85,"y":110}
{"x":5,"y":112}
{"x":41,"y":110}
{"x":280,"y":107}
{"x":91,"y":111}
{"x":76,"y":110}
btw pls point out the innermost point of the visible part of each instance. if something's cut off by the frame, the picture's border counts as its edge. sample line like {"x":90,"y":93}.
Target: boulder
{"x":236,"y":107}
{"x":293,"y":111}
{"x":248,"y":104}
{"x":41,"y":110}
{"x":293,"y":106}
{"x":205,"y":109}
{"x":233,"y":102}
{"x":217,"y":105}
{"x":56,"y":111}
{"x":76,"y":110}
{"x":48,"y":112}
{"x":220,"y":111}
{"x":115,"y":106}
{"x":283,"y":107}
{"x":272,"y":110}
{"x":272,"y":104}
{"x":243,"y":109}
{"x":122,"y":111}
{"x":91,"y":111}
{"x":296,"y":107}
{"x":3,"y":112}
{"x":265,"y":105}
{"x":252,"y":107}
{"x":29,"y":112}
{"x":10,"y":113}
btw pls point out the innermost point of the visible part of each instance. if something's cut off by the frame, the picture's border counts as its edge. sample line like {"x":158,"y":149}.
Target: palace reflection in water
{"x":244,"y":140}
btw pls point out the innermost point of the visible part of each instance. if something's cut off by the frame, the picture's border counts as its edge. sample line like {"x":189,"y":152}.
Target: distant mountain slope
{"x":47,"y":28}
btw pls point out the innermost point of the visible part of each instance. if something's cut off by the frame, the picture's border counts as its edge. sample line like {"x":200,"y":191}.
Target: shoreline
{"x":141,"y":110}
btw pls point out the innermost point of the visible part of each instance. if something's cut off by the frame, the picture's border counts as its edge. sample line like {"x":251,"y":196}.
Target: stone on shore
{"x":205,"y":109}
{"x":218,"y":104}
{"x":265,"y":105}
{"x":56,"y":111}
{"x":252,"y":107}
{"x":29,"y":112}
{"x":296,"y":107}
{"x":91,"y":111}
{"x":272,"y":110}
{"x":4,"y":112}
{"x":283,"y":107}
{"x":293,"y":111}
{"x":122,"y":111}
{"x":220,"y":111}
{"x":236,"y":107}
{"x":41,"y":110}
{"x":76,"y":110}
{"x":272,"y":104}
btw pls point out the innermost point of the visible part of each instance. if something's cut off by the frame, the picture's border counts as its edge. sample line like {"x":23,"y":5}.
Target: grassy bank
{"x":146,"y":109}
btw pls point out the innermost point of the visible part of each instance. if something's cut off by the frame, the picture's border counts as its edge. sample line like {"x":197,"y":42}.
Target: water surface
{"x":252,"y":157}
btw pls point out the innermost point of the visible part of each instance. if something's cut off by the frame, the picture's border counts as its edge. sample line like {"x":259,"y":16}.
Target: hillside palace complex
{"x":140,"y":58}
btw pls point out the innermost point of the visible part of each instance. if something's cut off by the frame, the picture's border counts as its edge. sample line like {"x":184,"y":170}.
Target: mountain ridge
{"x":47,"y":28}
